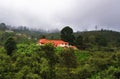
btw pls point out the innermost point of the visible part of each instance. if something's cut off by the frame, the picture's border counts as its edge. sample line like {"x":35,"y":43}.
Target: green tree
{"x":3,"y":26}
{"x":67,"y":35}
{"x":79,"y":42}
{"x":67,"y":62}
{"x":51,"y":57}
{"x":10,"y":45}
{"x":5,"y":36}
{"x":6,"y":67}
{"x":43,"y":37}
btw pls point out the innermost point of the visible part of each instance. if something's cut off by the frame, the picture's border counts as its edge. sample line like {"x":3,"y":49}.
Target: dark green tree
{"x":67,"y":35}
{"x":79,"y":42}
{"x":43,"y":37}
{"x":10,"y":45}
{"x":3,"y":26}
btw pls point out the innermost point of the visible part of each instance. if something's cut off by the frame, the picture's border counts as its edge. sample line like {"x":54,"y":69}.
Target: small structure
{"x":56,"y":43}
{"x":9,"y":31}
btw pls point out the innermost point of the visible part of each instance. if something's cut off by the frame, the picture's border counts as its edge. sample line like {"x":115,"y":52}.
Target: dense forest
{"x":97,"y":56}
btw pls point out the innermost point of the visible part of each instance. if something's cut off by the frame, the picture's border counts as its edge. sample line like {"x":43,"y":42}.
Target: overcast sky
{"x":53,"y":14}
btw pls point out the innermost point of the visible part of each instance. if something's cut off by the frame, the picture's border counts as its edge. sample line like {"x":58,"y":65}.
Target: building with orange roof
{"x":56,"y":43}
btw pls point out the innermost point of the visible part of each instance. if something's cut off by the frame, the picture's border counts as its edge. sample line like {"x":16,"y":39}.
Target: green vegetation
{"x":67,"y":35}
{"x":98,"y":56}
{"x":100,"y":40}
{"x":46,"y":62}
{"x":10,"y":45}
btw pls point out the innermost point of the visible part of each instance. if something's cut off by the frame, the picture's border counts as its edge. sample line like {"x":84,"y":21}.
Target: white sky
{"x":52,"y":14}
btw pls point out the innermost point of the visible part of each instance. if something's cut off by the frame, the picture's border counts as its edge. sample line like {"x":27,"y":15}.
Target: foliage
{"x":31,"y":61}
{"x":10,"y":45}
{"x":67,"y":35}
{"x":111,"y":73}
{"x":81,"y":55}
{"x":27,"y":48}
{"x":96,"y":40}
{"x":68,"y":58}
{"x":3,"y":26}
{"x":101,"y":41}
{"x":99,"y":57}
{"x":51,"y":57}
{"x":5,"y":36}
{"x":79,"y":42}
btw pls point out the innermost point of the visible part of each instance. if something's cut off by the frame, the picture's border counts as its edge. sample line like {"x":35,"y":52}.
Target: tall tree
{"x":67,"y":35}
{"x":10,"y":45}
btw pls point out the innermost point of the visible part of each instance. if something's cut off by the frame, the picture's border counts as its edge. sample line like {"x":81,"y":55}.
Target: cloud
{"x":52,"y":14}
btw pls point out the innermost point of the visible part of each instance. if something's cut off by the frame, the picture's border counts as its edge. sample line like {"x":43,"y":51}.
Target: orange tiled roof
{"x":55,"y":42}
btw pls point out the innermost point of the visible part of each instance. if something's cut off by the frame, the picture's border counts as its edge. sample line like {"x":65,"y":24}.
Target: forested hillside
{"x":97,"y":56}
{"x":93,"y":40}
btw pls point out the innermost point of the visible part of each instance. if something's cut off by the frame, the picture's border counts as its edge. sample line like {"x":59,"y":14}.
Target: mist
{"x":56,"y":14}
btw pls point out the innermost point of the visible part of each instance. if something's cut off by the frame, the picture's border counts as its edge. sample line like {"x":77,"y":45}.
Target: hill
{"x":109,"y":35}
{"x":96,"y":40}
{"x":99,"y":60}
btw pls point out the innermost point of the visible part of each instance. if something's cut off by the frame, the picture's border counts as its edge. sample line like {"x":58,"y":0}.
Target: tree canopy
{"x":10,"y":45}
{"x":67,"y":35}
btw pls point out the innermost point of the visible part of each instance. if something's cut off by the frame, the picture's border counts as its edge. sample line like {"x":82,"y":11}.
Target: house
{"x":56,"y":43}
